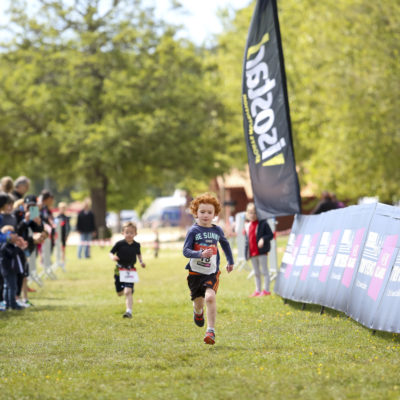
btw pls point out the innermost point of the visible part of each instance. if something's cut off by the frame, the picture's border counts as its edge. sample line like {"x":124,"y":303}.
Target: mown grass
{"x":74,"y":344}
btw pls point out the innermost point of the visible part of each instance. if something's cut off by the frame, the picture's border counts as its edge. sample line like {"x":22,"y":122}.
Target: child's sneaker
{"x":209,"y":338}
{"x":265,"y":293}
{"x":198,"y":319}
{"x":256,"y":293}
{"x":22,"y":304}
{"x":127,"y":315}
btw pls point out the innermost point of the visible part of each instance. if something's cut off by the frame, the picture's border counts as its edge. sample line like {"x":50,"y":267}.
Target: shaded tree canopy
{"x":107,"y":99}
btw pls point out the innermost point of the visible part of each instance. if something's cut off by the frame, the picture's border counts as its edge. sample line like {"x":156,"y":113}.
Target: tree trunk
{"x":98,"y":196}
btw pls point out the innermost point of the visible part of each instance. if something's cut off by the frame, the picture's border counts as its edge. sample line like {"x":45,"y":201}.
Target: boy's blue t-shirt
{"x":199,"y":238}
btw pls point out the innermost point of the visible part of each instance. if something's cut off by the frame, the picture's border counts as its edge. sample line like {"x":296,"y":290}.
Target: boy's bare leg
{"x":198,"y":305}
{"x":129,"y":298}
{"x":211,"y":304}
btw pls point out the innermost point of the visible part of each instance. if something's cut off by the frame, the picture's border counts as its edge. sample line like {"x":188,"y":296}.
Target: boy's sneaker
{"x":127,"y":315}
{"x":198,"y":319}
{"x":265,"y":293}
{"x":209,"y":338}
{"x":256,"y":293}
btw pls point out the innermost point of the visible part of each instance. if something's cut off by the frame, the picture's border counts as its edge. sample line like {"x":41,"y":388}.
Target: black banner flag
{"x":266,"y":117}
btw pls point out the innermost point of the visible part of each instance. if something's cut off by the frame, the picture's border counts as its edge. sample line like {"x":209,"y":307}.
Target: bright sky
{"x":200,"y":20}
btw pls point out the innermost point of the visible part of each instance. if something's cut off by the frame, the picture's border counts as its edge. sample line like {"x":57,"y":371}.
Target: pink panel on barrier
{"x":328,"y":258}
{"x":296,"y":247}
{"x":351,"y":262}
{"x":310,"y":254}
{"x":388,"y":248}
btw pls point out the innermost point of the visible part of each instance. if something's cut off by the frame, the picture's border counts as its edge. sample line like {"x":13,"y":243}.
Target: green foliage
{"x":74,"y":343}
{"x":341,"y":60}
{"x":229,"y":58}
{"x":343,"y":86}
{"x":109,"y":101}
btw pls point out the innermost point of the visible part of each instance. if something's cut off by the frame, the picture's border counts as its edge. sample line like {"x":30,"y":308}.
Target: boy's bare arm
{"x":114,"y":257}
{"x":141,"y":261}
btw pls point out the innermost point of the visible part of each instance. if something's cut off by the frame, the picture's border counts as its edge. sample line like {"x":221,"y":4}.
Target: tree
{"x":343,"y":78}
{"x":344,"y":98}
{"x":109,"y":100}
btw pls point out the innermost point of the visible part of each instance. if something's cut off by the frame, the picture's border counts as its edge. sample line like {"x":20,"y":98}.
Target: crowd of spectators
{"x":26,"y":221}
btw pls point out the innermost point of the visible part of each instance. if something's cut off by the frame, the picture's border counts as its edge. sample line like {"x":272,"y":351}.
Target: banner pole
{"x":273,"y":254}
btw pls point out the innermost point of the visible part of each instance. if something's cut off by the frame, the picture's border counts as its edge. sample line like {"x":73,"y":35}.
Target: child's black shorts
{"x":119,"y":286}
{"x":198,"y":283}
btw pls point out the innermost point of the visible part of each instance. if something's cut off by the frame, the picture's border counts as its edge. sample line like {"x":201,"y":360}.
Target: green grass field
{"x":74,"y":344}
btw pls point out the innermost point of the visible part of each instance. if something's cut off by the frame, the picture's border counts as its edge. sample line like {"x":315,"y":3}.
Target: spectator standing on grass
{"x":156,"y":242}
{"x":46,"y":200}
{"x":12,"y":260}
{"x":65,"y":226}
{"x":258,"y":245}
{"x":30,"y":228}
{"x":125,"y":252}
{"x":201,"y":247}
{"x":86,"y":226}
{"x":21,"y":187}
{"x":6,"y":237}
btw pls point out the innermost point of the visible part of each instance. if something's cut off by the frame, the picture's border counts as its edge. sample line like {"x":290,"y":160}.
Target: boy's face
{"x":129,"y":233}
{"x":205,"y":214}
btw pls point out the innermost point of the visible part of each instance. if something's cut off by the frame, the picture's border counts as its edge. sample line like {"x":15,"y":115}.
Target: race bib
{"x":128,"y":276}
{"x":204,"y":265}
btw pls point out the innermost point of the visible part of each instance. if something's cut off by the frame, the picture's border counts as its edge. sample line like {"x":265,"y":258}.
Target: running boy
{"x":201,"y":247}
{"x":125,"y":252}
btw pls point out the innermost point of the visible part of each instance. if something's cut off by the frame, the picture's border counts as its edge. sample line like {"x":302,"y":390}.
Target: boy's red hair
{"x":205,"y":198}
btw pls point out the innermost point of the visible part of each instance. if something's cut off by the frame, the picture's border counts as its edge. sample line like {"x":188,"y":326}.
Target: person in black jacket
{"x":86,"y":227}
{"x":325,"y":204}
{"x":31,"y":229}
{"x":258,"y":244}
{"x":12,"y":260}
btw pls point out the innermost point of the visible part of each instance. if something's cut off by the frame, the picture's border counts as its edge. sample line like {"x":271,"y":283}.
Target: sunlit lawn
{"x":74,"y":344}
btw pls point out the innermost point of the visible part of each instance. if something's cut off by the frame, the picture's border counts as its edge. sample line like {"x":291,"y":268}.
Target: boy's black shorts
{"x":120,"y":286}
{"x":198,"y":283}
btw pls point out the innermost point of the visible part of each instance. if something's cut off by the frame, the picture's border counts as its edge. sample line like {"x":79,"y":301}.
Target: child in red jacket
{"x":258,"y":244}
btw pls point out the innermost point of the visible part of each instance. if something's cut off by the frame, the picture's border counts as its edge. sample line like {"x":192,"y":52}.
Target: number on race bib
{"x":128,"y":276}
